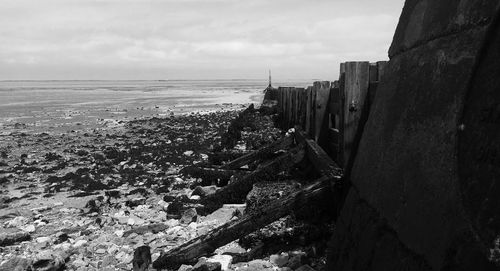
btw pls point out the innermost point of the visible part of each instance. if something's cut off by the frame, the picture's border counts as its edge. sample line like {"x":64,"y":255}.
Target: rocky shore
{"x":86,"y":200}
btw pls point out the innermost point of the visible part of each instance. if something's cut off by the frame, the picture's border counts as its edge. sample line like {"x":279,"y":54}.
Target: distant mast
{"x":269,"y":79}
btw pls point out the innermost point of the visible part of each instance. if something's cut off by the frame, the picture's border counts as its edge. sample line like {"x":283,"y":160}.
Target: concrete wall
{"x":408,"y":208}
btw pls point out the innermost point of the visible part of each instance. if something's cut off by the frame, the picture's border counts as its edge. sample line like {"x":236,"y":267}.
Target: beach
{"x":86,"y":173}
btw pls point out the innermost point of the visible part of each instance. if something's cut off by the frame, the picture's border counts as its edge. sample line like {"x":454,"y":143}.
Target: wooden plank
{"x":236,"y":191}
{"x":261,"y":153}
{"x":290,"y":108}
{"x":303,"y":105}
{"x":373,"y":72}
{"x":307,"y":128}
{"x":335,"y":101}
{"x":381,"y":69}
{"x":354,"y":108}
{"x":312,"y":128}
{"x":322,"y":100}
{"x":320,"y":160}
{"x":322,"y":190}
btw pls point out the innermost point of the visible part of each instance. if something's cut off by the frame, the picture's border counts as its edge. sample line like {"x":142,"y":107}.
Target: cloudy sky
{"x":191,"y":39}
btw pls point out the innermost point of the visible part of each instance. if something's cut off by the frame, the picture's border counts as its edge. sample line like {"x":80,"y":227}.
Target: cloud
{"x":190,"y":38}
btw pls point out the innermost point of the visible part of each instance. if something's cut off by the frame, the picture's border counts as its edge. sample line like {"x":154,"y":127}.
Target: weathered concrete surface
{"x":405,"y":210}
{"x":479,"y":148}
{"x":425,"y":20}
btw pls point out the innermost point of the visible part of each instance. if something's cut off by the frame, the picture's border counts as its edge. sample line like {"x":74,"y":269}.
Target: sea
{"x":88,"y":104}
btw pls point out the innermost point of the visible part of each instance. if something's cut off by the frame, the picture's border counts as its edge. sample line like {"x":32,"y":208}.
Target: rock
{"x":204,"y":265}
{"x":49,"y":260}
{"x":297,"y":259}
{"x":142,"y":258}
{"x":279,"y":260}
{"x":195,"y":198}
{"x":175,"y":208}
{"x":8,"y":239}
{"x":43,"y":239}
{"x":188,"y":153}
{"x":204,"y":191}
{"x":108,"y":260}
{"x":119,"y":233}
{"x":16,"y":264}
{"x":80,"y":243}
{"x":29,"y":228}
{"x":185,"y":268}
{"x":79,"y":263}
{"x":259,"y":264}
{"x":224,"y":260}
{"x":124,"y":257}
{"x":136,"y":202}
{"x":17,"y":222}
{"x":190,"y":215}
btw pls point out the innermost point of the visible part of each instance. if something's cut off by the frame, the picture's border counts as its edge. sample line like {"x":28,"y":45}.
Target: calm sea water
{"x":70,"y":104}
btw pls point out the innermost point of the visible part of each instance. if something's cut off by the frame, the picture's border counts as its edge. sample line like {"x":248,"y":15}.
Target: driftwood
{"x":320,"y":160}
{"x":236,"y":191}
{"x":261,"y":154}
{"x":212,"y":176}
{"x":206,"y":244}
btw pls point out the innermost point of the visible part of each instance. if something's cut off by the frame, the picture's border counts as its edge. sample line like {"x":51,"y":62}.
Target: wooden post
{"x":303,"y":105}
{"x":308,"y":109}
{"x":322,"y":98}
{"x":381,"y":69}
{"x":355,"y":88}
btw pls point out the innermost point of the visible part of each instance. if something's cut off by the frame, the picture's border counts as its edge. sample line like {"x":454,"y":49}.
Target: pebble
{"x":224,"y":260}
{"x":80,"y":243}
{"x":279,"y":260}
{"x":29,"y":228}
{"x":43,"y":239}
{"x":17,"y":222}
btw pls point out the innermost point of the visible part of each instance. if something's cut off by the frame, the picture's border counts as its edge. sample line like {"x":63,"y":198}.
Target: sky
{"x":191,"y":39}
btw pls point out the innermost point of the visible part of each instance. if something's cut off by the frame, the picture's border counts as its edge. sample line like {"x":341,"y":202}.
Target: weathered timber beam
{"x":320,"y":160}
{"x":203,"y":245}
{"x":262,"y":153}
{"x":211,"y":176}
{"x":236,"y":191}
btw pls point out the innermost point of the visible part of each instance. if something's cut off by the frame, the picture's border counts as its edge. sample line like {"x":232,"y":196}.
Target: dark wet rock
{"x":82,"y":152}
{"x":4,"y":180}
{"x":142,"y":258}
{"x":7,"y":239}
{"x":141,"y":191}
{"x":175,"y":208}
{"x":99,"y":156}
{"x":204,"y":265}
{"x":112,"y":194}
{"x":204,"y":191}
{"x":135,"y":202}
{"x":162,"y":189}
{"x":52,"y":156}
{"x":169,"y":197}
{"x":61,"y":237}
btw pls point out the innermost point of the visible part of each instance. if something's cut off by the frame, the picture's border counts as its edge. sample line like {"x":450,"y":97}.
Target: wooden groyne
{"x":331,"y":113}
